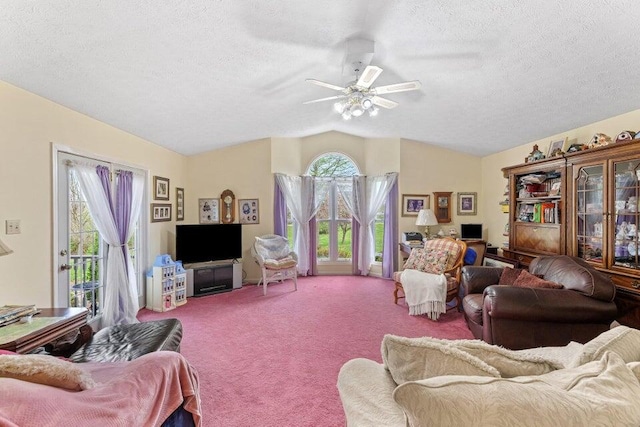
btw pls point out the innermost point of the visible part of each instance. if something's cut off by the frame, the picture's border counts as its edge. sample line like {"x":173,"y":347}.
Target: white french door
{"x":80,"y":251}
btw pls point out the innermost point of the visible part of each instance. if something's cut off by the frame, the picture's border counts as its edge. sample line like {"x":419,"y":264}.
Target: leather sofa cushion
{"x":127,"y":342}
{"x":574,"y":274}
{"x":473,"y":307}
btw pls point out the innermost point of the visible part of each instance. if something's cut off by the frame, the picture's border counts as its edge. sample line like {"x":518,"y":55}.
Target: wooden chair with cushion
{"x":453,"y":269}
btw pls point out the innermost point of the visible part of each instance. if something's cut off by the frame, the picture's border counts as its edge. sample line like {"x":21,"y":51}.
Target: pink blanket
{"x":142,"y":392}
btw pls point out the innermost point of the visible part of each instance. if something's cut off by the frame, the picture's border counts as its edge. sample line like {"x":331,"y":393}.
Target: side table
{"x":45,"y":327}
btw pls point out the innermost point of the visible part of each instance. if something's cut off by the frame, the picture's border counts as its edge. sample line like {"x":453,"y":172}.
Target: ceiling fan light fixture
{"x":366,"y":103}
{"x":373,"y":112}
{"x":339,"y":107}
{"x":346,"y":114}
{"x":356,"y":110}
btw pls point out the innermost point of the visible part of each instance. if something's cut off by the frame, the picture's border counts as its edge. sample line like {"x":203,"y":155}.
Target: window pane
{"x":379,"y":233}
{"x":323,"y":240}
{"x":343,"y":212}
{"x":344,"y":240}
{"x":323,"y":211}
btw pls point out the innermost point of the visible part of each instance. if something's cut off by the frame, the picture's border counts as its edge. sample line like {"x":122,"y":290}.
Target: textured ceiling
{"x":201,"y":74}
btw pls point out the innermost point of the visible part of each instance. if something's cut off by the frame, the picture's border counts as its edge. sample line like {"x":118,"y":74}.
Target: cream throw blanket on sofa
{"x":425,"y":293}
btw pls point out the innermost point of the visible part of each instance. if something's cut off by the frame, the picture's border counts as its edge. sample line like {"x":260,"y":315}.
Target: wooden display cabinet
{"x":535,"y":209}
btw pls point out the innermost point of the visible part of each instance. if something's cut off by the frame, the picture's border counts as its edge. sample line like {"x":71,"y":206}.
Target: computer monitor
{"x":471,"y":231}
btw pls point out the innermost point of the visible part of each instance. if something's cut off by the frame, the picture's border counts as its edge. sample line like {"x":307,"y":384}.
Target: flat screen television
{"x":208,"y":242}
{"x":471,"y":231}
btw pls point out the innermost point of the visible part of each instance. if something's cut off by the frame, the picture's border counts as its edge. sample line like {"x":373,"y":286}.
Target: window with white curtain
{"x":333,"y":220}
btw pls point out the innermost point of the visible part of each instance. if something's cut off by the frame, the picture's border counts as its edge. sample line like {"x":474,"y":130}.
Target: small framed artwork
{"x":160,"y":212}
{"x":179,"y":204}
{"x":412,"y":203}
{"x":491,"y":260}
{"x":467,"y":203}
{"x":249,"y":211}
{"x":555,"y":146}
{"x":161,"y":188}
{"x":209,"y":211}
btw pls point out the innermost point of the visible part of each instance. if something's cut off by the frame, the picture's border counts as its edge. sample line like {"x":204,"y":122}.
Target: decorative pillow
{"x":509,"y":275}
{"x":602,"y":393}
{"x":427,"y":260}
{"x":47,"y":370}
{"x":528,"y":280}
{"x":412,"y":359}
{"x":622,"y":340}
{"x":445,"y":244}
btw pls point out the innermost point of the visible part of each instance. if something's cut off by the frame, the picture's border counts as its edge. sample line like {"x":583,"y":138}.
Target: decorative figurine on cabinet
{"x":627,"y":135}
{"x":535,"y":154}
{"x":599,"y":140}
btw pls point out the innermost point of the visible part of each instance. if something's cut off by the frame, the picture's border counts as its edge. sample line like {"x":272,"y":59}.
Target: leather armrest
{"x":475,"y":278}
{"x":545,"y":305}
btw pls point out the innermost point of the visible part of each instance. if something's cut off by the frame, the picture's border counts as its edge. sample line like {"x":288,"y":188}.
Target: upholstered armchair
{"x":276,"y":260}
{"x":451,"y":250}
{"x":517,"y":314}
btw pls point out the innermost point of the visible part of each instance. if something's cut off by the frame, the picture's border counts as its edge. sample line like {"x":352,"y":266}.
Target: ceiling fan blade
{"x":323,"y":84}
{"x":384,"y":102}
{"x":398,"y":87}
{"x":369,"y":75}
{"x":325,"y":99}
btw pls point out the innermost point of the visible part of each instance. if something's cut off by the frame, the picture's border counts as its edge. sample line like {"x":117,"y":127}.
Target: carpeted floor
{"x":274,"y":360}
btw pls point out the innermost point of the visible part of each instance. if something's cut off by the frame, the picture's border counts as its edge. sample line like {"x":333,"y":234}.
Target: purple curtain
{"x":105,"y":175}
{"x":279,"y":212}
{"x":355,"y":246}
{"x":124,"y":187}
{"x":390,"y":246}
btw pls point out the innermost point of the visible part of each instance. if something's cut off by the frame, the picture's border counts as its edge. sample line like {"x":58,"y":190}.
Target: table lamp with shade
{"x":426,"y":217}
{"x":4,"y":249}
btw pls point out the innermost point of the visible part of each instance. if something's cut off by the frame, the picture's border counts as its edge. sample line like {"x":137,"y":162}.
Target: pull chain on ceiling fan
{"x":359,"y":97}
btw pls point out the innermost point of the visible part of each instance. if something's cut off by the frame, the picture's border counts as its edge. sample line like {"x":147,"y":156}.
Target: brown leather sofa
{"x":518,"y":318}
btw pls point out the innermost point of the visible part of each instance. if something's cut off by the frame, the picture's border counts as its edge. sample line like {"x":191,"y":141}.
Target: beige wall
{"x":493,"y":182}
{"x":29,"y":124}
{"x":245,"y":169}
{"x":425,"y":168}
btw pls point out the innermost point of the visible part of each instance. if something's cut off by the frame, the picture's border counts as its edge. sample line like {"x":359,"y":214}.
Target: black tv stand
{"x":214,"y":277}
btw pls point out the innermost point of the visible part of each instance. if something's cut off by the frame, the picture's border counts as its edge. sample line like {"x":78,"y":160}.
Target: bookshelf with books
{"x":536,"y":209}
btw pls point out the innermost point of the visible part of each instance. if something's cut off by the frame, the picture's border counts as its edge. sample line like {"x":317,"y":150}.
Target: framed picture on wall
{"x":412,"y":203}
{"x":160,"y":212}
{"x":209,"y":211}
{"x":161,"y":188}
{"x":249,"y":210}
{"x":467,"y":203}
{"x":179,"y":204}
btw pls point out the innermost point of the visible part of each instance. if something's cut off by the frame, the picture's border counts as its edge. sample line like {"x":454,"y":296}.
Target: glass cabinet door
{"x":590,"y":214}
{"x":627,"y":174}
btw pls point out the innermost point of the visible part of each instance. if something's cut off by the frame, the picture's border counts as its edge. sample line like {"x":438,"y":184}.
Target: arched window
{"x":333,"y":219}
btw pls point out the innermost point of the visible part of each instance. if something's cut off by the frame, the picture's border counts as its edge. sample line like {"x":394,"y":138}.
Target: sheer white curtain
{"x":303,"y":196}
{"x":364,"y":200}
{"x":117,"y":292}
{"x":131,"y":301}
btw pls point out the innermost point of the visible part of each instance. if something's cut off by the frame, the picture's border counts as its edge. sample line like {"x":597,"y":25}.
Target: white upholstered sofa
{"x":432,"y":382}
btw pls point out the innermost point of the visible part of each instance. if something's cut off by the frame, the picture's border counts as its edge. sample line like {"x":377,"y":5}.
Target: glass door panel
{"x":626,"y":206}
{"x":590,"y":213}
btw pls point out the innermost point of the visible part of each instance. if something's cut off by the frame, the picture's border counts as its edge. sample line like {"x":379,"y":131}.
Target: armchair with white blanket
{"x":431,"y":277}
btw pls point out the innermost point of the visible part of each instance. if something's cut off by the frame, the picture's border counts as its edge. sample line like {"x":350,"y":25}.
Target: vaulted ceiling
{"x":197,"y":75}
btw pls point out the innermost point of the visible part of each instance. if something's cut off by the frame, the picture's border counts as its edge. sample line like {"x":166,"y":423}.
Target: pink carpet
{"x":274,"y":360}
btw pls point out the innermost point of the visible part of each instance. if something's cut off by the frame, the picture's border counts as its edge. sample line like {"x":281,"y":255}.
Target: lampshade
{"x":426,"y":217}
{"x":4,"y":250}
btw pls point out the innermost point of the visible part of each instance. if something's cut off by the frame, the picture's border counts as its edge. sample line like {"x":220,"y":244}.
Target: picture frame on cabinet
{"x":491,"y":260}
{"x":209,"y":211}
{"x":413,"y":203}
{"x":249,"y":211}
{"x":160,"y":212}
{"x":554,"y":146}
{"x":160,"y":188}
{"x":467,"y":203}
{"x":179,"y":204}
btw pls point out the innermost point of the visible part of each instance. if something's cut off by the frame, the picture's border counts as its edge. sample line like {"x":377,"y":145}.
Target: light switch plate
{"x":13,"y":226}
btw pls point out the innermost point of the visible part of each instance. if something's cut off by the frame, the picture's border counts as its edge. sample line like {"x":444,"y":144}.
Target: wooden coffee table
{"x":45,"y":327}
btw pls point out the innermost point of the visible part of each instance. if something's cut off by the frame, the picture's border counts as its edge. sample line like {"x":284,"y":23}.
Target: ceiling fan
{"x":359,"y":97}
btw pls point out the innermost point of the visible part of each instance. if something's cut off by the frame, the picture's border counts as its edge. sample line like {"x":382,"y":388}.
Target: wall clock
{"x":228,"y":206}
{"x":442,"y":207}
